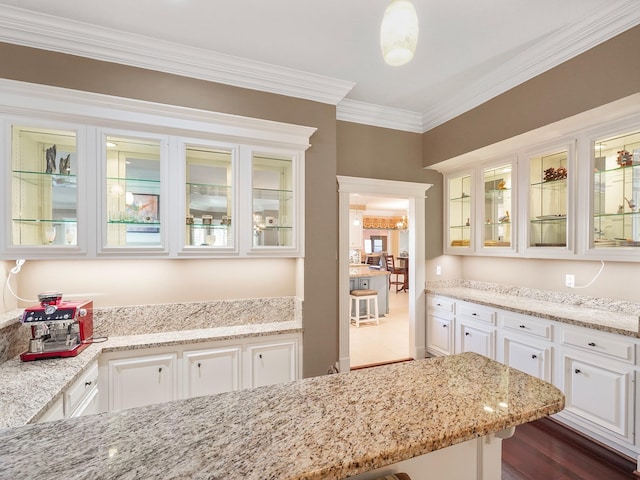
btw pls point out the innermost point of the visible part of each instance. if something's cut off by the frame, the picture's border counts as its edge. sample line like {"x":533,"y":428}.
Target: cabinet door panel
{"x":272,"y":363}
{"x":136,"y":382}
{"x":477,"y":340}
{"x":599,"y":393}
{"x":207,"y":372}
{"x":440,"y":335}
{"x":528,"y":358}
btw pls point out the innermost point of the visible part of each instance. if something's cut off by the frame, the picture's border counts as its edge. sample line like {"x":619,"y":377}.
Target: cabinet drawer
{"x":527,"y":325}
{"x":442,"y":304}
{"x":477,"y":312}
{"x":82,"y":387}
{"x":599,"y":343}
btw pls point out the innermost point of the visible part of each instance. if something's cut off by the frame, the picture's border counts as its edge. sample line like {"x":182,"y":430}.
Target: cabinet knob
{"x":260,"y":356}
{"x":86,"y":384}
{"x":534,"y":356}
{"x":467,"y":334}
{"x":438,"y":304}
{"x":577,"y":370}
{"x":591,"y":344}
{"x":523,"y":326}
{"x":474,"y":314}
{"x":160,"y":370}
{"x":199,"y":364}
{"x":444,"y":326}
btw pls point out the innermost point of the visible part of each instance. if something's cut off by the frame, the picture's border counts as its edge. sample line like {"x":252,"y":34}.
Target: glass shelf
{"x":459,"y":208}
{"x":496,"y":217}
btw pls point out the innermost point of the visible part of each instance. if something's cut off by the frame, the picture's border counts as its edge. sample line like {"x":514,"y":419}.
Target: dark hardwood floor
{"x":545,"y":450}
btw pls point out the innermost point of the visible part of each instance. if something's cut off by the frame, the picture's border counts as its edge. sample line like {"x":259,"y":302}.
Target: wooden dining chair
{"x":393,"y":270}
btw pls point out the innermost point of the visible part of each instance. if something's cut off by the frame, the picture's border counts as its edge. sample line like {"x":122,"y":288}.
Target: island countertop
{"x":357,"y":271}
{"x":328,"y":427}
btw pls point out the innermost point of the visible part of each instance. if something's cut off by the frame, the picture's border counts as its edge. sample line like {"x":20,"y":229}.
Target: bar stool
{"x":371,"y":312}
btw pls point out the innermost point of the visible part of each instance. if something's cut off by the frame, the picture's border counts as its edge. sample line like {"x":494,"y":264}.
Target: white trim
{"x":48,"y":32}
{"x":379,"y":116}
{"x":78,"y":106}
{"x":416,"y":192}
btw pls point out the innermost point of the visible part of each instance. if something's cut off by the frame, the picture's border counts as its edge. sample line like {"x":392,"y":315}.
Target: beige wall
{"x":173,"y":278}
{"x":599,"y":76}
{"x":382,"y":153}
{"x":7,"y":301}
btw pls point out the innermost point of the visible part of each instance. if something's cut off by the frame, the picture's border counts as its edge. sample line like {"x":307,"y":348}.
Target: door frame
{"x":416,"y":193}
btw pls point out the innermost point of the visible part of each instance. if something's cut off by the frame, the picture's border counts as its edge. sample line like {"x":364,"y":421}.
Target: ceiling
{"x":328,"y":50}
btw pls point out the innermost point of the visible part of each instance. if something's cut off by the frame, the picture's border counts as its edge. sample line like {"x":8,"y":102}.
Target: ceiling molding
{"x":550,"y":52}
{"x":47,"y":32}
{"x":379,"y":116}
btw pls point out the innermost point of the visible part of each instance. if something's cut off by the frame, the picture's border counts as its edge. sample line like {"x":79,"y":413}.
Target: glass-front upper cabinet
{"x":134,"y":207}
{"x":459,"y":212}
{"x":44,"y":187}
{"x":616,"y":191}
{"x":274,"y":200}
{"x":548,"y":202}
{"x":209,"y":197}
{"x":497,"y":207}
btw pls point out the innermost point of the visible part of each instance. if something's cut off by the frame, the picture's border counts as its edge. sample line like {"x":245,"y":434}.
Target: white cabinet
{"x":525,"y":343}
{"x":81,"y":398}
{"x":271,"y":363}
{"x":355,"y":230}
{"x":440,"y":325}
{"x":211,"y":371}
{"x":476,"y":330}
{"x":143,"y":380}
{"x":54,"y":412}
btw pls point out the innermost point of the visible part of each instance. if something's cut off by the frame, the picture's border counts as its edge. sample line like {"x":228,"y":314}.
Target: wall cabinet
{"x":175,"y":183}
{"x":575,"y":196}
{"x":597,"y":371}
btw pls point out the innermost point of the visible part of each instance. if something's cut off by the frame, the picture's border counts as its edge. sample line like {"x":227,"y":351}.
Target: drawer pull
{"x":474,"y":314}
{"x":523,"y":326}
{"x":438,"y":304}
{"x":199,"y":364}
{"x":86,"y":384}
{"x":534,"y":356}
{"x":577,"y":370}
{"x":591,"y":344}
{"x":160,"y":370}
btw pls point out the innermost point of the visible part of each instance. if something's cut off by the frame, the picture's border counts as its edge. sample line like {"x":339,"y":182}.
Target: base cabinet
{"x":157,"y":375}
{"x":141,"y":381}
{"x":211,"y":371}
{"x":521,"y":353}
{"x":440,"y":325}
{"x":271,"y":363}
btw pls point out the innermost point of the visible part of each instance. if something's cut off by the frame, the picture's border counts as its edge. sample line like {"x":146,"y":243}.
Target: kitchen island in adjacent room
{"x":364,"y":277}
{"x":444,"y":415}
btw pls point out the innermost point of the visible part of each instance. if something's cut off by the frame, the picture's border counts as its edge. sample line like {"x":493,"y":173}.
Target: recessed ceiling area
{"x":468,"y":51}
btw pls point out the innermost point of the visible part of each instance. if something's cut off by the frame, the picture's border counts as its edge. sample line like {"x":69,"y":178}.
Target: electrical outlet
{"x":570,"y":280}
{"x":438,"y":270}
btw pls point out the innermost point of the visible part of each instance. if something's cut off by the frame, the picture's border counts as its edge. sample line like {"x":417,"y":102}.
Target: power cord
{"x":14,"y":271}
{"x":594,"y":278}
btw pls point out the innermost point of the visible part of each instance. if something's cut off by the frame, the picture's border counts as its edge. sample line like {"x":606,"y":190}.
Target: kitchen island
{"x":363,"y":423}
{"x":366,"y":277}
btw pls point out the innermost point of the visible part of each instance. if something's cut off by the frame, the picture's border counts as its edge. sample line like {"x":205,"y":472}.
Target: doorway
{"x":415,"y":194}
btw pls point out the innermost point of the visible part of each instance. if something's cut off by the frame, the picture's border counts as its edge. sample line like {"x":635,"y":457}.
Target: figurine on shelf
{"x":468,"y":224}
{"x":551,"y":174}
{"x":51,"y":159}
{"x":505,"y":218}
{"x":631,"y":204}
{"x":65,"y":165}
{"x":620,"y":208}
{"x":502,"y":185}
{"x":625,"y":159}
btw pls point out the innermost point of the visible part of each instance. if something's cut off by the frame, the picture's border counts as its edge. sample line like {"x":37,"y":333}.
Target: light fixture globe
{"x":399,"y":32}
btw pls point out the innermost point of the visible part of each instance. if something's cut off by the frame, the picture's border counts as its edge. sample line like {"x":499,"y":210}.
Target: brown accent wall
{"x":320,"y":349}
{"x":382,"y":153}
{"x":605,"y":73}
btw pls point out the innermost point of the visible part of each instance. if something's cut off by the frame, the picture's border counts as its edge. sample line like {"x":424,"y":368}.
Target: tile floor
{"x":387,"y":342}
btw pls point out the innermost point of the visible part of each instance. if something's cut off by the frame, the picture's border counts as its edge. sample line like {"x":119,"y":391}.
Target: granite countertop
{"x":328,"y":427}
{"x":365,"y":271}
{"x":600,"y":314}
{"x":30,"y":388}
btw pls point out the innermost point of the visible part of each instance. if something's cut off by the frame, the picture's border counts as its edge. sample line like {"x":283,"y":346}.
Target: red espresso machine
{"x":58,"y":329}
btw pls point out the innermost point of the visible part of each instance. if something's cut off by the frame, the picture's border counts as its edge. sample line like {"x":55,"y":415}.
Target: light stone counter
{"x":612,"y":316}
{"x":359,"y":271}
{"x":28,"y":389}
{"x":328,"y":427}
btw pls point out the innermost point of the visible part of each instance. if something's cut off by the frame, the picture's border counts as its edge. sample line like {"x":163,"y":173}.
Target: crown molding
{"x":47,"y":32}
{"x":379,"y":116}
{"x":557,"y":48}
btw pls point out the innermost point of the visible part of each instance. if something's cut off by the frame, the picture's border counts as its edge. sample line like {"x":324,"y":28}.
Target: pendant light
{"x":399,"y":32}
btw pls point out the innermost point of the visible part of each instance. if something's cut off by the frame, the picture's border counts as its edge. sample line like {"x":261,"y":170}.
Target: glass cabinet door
{"x":496,"y":219}
{"x":459,"y":207}
{"x":133,"y":200}
{"x":616,"y":195}
{"x":209,"y":202}
{"x":548,"y":200}
{"x":44,"y":197}
{"x":273,"y":201}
